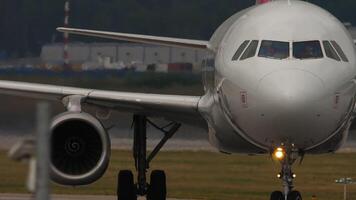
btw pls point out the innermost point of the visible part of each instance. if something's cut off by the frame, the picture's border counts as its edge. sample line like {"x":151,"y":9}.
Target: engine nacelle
{"x":80,"y":149}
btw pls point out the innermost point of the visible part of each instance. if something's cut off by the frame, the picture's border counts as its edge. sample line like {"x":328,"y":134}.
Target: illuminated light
{"x":279,"y":175}
{"x":294,"y":175}
{"x":279,"y":153}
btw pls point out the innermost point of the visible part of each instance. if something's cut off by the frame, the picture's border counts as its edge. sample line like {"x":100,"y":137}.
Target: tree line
{"x":26,"y":25}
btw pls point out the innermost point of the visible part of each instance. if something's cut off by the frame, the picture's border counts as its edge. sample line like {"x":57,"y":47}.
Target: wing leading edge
{"x":165,"y":41}
{"x":175,"y":107}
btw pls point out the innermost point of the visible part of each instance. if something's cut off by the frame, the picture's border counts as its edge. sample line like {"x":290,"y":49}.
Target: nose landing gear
{"x":286,"y":155}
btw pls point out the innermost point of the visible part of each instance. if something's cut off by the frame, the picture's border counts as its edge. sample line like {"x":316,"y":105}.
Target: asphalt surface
{"x":62,"y":197}
{"x":174,"y":144}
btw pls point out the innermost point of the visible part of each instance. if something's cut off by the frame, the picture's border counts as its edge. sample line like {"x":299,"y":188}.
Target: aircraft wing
{"x":165,"y":41}
{"x":174,"y":107}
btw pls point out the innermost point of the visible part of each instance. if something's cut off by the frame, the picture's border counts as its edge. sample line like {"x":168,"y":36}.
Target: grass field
{"x":207,"y":175}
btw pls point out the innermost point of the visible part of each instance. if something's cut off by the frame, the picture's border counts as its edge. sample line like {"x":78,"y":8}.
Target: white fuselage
{"x":254,"y":105}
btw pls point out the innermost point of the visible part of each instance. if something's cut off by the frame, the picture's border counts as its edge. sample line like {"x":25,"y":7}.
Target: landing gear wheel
{"x":277,"y":195}
{"x":157,"y":189}
{"x":126,"y":186}
{"x":294,"y":195}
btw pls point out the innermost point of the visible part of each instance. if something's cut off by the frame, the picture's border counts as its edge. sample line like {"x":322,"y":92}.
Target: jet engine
{"x":80,"y":149}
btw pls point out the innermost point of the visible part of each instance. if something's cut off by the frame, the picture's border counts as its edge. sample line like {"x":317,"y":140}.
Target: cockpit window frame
{"x":307,"y":58}
{"x":253,"y":45}
{"x":339,"y":51}
{"x":241,"y":50}
{"x":333,"y":54}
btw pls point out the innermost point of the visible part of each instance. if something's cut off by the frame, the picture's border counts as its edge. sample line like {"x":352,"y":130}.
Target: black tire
{"x":125,"y":186}
{"x":294,"y":195}
{"x":157,"y":189}
{"x":277,"y":195}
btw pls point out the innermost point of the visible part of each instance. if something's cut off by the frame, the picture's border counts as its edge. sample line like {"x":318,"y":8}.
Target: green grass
{"x":207,"y":175}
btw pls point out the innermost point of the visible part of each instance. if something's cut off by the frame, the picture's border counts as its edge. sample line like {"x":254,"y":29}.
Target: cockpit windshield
{"x":280,"y":50}
{"x":307,"y":50}
{"x":274,"y":49}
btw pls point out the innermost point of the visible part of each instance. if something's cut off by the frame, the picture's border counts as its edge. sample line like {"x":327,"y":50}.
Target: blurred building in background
{"x":119,"y":55}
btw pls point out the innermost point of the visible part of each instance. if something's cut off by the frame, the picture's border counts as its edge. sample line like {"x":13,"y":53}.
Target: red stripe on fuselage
{"x":262,"y":1}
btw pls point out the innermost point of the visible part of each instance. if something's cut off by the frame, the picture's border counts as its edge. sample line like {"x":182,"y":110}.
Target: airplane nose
{"x":290,"y":88}
{"x":290,"y":103}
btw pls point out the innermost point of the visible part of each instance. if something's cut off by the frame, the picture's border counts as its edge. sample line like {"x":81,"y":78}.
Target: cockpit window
{"x":329,"y":51}
{"x":274,"y":49}
{"x":307,"y":50}
{"x":250,"y":51}
{"x":339,"y":51}
{"x":240,"y":50}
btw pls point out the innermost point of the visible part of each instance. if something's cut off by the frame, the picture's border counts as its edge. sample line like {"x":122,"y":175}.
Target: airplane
{"x":280,"y":80}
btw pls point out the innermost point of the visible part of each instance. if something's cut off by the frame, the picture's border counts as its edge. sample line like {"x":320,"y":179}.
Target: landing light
{"x":279,"y":175}
{"x":294,"y":175}
{"x":279,"y":153}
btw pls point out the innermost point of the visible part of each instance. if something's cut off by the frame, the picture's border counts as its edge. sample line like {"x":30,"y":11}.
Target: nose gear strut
{"x":290,"y":155}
